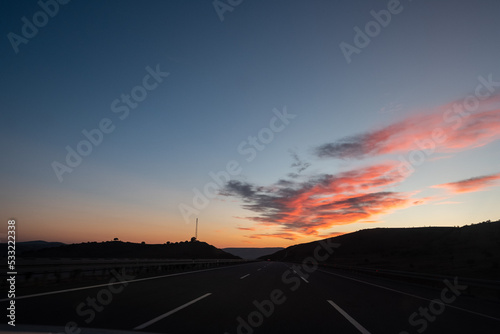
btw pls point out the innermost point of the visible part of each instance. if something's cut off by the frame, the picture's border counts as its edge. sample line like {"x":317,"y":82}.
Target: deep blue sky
{"x":225,"y":79}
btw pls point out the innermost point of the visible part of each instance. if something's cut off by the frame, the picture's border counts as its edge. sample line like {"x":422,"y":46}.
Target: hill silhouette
{"x":26,"y":246}
{"x":119,"y":249}
{"x":471,"y":250}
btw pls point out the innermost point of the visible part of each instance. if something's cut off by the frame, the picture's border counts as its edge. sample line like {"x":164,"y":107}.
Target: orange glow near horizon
{"x":300,"y":210}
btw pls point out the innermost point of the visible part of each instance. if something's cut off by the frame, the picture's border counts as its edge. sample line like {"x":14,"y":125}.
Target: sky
{"x":272,"y":122}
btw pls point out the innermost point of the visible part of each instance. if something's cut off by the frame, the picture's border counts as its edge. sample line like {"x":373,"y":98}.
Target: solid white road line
{"x":115,"y":283}
{"x":242,"y":277}
{"x":152,"y":321}
{"x":348,"y":317}
{"x":412,"y":295}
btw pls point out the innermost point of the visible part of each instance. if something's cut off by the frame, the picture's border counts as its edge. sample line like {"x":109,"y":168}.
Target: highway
{"x":260,"y":297}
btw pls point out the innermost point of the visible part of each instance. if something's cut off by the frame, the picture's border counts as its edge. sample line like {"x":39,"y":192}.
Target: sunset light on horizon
{"x":273,"y":123}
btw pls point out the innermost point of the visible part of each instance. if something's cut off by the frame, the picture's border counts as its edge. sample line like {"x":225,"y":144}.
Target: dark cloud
{"x":349,"y":147}
{"x":298,"y":163}
{"x":322,"y":201}
{"x":239,"y":189}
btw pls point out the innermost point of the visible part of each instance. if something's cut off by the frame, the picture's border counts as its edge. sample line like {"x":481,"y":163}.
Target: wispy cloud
{"x":311,"y":204}
{"x":457,"y":129}
{"x":246,"y":228}
{"x":323,"y":201}
{"x":331,"y":235}
{"x":299,"y":164}
{"x":288,"y":236}
{"x":470,"y":185}
{"x":391,"y":107}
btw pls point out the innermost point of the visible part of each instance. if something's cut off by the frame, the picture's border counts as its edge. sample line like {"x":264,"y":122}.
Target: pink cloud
{"x":323,"y":201}
{"x":446,"y":129}
{"x":470,"y":185}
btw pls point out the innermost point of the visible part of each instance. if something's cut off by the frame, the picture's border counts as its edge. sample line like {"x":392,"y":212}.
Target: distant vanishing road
{"x":262,"y":297}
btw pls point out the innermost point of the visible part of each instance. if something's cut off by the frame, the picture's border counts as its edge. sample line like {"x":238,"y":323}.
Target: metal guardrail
{"x":36,"y":272}
{"x":475,"y":286}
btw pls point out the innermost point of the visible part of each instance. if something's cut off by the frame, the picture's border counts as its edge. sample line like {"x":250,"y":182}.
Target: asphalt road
{"x":262,"y":297}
